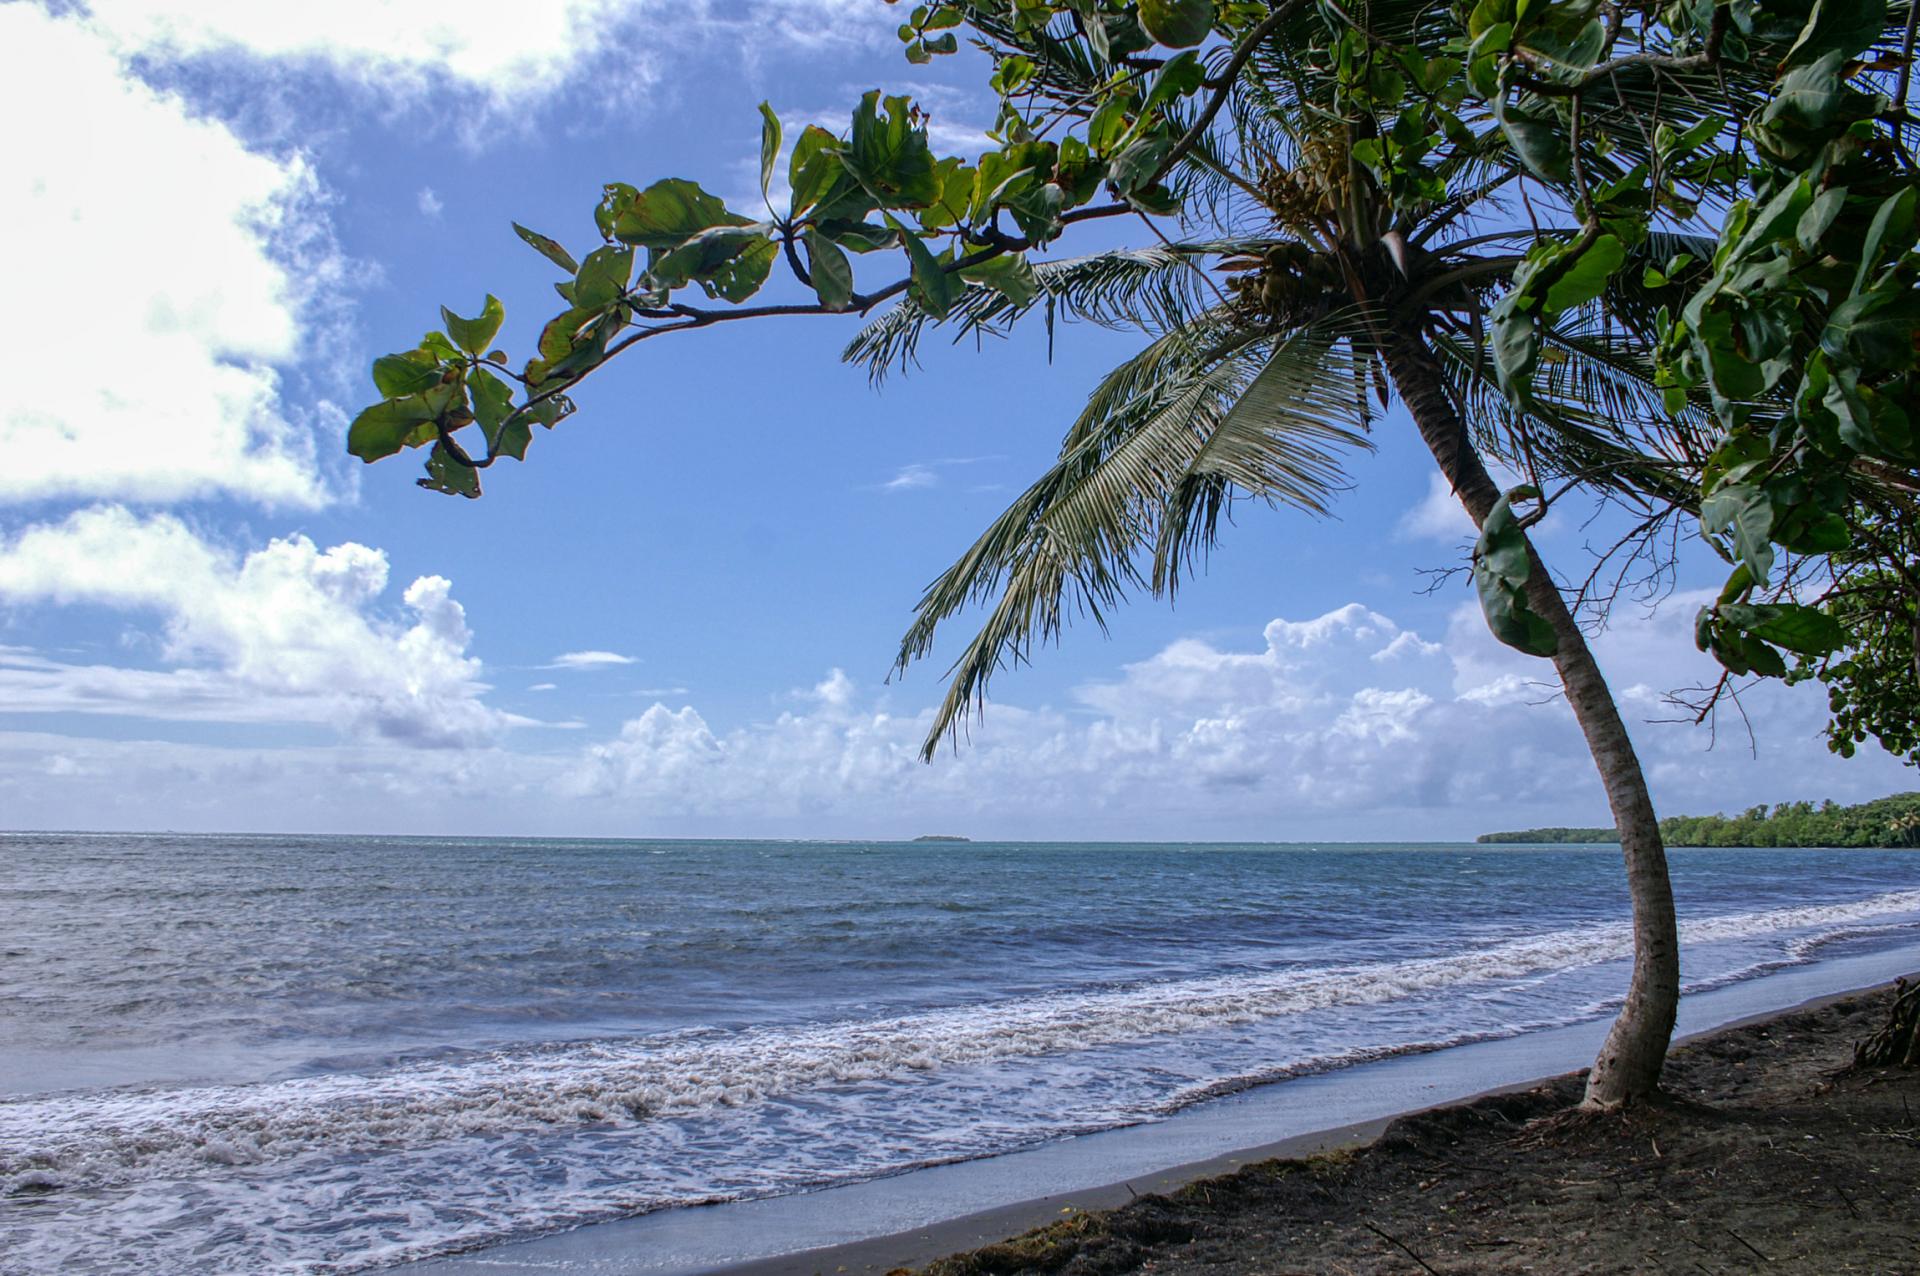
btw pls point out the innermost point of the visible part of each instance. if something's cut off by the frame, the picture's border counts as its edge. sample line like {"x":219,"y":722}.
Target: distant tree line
{"x":1885,"y":822}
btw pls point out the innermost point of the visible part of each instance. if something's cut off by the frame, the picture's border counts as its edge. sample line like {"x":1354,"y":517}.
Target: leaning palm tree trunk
{"x":1629,"y":1064}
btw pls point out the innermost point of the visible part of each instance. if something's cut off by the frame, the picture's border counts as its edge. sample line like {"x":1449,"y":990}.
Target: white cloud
{"x":496,"y":56}
{"x":589,"y":660}
{"x":506,"y":48}
{"x":910,"y":477}
{"x":544,"y":686}
{"x":1310,"y":737}
{"x":156,"y":272}
{"x":288,"y":633}
{"x":1437,"y":516}
{"x":429,"y":204}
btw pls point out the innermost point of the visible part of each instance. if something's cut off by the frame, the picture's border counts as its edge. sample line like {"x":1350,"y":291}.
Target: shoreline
{"x":871,"y":1227}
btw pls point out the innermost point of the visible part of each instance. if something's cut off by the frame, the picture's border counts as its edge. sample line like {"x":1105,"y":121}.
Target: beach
{"x":1769,"y":1155}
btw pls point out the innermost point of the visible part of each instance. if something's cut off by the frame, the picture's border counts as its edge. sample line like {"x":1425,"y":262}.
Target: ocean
{"x":239,"y":1054}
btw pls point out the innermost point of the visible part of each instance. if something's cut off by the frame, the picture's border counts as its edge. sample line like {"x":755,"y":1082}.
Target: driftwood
{"x":1897,"y":1044}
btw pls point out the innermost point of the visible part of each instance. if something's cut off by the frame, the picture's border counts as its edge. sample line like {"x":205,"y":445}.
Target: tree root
{"x":1897,"y":1044}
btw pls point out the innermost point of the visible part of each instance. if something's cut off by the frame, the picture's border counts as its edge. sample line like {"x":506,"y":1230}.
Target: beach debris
{"x":1897,"y":1043}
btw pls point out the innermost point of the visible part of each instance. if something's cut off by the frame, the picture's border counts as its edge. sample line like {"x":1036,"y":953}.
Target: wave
{"x":104,"y":1139}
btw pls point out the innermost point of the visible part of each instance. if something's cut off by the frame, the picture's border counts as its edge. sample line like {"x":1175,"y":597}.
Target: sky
{"x":678,"y":617}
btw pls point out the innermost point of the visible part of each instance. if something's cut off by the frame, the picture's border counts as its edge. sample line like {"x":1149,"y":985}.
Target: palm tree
{"x":1314,"y":292}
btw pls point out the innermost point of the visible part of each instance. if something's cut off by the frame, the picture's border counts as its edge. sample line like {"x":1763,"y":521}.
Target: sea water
{"x":288,"y":1054}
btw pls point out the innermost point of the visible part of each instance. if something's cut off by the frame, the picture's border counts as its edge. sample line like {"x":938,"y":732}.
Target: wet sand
{"x":1770,"y":1156}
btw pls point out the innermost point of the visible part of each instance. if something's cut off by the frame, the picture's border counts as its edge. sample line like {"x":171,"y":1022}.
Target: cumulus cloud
{"x":589,"y":660}
{"x":287,"y":633}
{"x":1302,"y":735}
{"x":156,"y":271}
{"x":497,"y":56}
{"x":1311,"y":735}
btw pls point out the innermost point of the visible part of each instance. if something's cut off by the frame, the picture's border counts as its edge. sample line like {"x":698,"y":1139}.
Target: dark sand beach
{"x":1771,"y":1158}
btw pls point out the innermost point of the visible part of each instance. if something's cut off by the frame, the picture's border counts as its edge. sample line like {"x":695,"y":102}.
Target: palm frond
{"x":1150,"y":472}
{"x":1155,"y":289}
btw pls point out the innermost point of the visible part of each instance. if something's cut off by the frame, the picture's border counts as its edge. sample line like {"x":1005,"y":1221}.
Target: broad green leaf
{"x":1516,"y":344}
{"x":603,"y":277}
{"x":744,"y":273}
{"x":1501,"y":566}
{"x":445,"y":474}
{"x":1539,"y":145}
{"x":814,"y":168}
{"x":1136,"y":167}
{"x":474,"y":336}
{"x":1587,"y":277}
{"x":395,"y":375}
{"x":492,"y":405}
{"x":707,"y":253}
{"x":1845,"y":27}
{"x":1178,"y":24}
{"x":858,"y":237}
{"x":548,"y":248}
{"x":1892,"y":220}
{"x":889,"y":156}
{"x":933,"y":287}
{"x":829,"y":269}
{"x":1744,"y":513}
{"x":1008,"y":274}
{"x":386,"y":428}
{"x":669,"y":213}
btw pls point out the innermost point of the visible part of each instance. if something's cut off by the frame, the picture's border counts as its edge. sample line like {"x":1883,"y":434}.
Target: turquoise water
{"x":243,"y":1054}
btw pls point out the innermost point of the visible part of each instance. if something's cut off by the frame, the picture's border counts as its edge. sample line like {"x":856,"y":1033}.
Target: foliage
{"x":1796,"y":332}
{"x":1885,"y":822}
{"x":1553,"y":836}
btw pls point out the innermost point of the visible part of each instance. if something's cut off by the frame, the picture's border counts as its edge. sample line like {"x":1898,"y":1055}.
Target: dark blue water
{"x":256,"y":1054}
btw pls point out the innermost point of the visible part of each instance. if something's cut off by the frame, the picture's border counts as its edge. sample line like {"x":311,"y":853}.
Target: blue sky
{"x":678,"y":617}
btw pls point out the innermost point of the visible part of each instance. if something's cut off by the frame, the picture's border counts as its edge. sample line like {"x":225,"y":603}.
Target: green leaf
{"x":1516,"y":344}
{"x":744,"y":273}
{"x":475,"y":335}
{"x":1539,"y":145}
{"x":492,"y":406}
{"x":1805,"y":631}
{"x":814,"y":168}
{"x":1587,"y":277}
{"x":889,"y":156}
{"x":1744,"y":512}
{"x":1178,"y":24}
{"x":1845,"y":27}
{"x":770,"y":138}
{"x":1136,"y":167}
{"x":669,"y":213}
{"x":1501,"y":566}
{"x":386,"y":428}
{"x":1893,"y":219}
{"x":1009,"y":274}
{"x":704,"y":255}
{"x":831,"y":272}
{"x":603,"y":277}
{"x":933,"y":287}
{"x":395,"y":375}
{"x":445,"y":474}
{"x":548,"y":248}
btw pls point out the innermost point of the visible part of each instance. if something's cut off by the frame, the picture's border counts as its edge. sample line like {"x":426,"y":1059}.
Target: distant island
{"x":941,"y":837}
{"x":1888,"y":823}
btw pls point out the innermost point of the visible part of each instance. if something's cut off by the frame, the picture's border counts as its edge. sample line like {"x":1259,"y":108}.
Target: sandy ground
{"x":1767,"y":1160}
